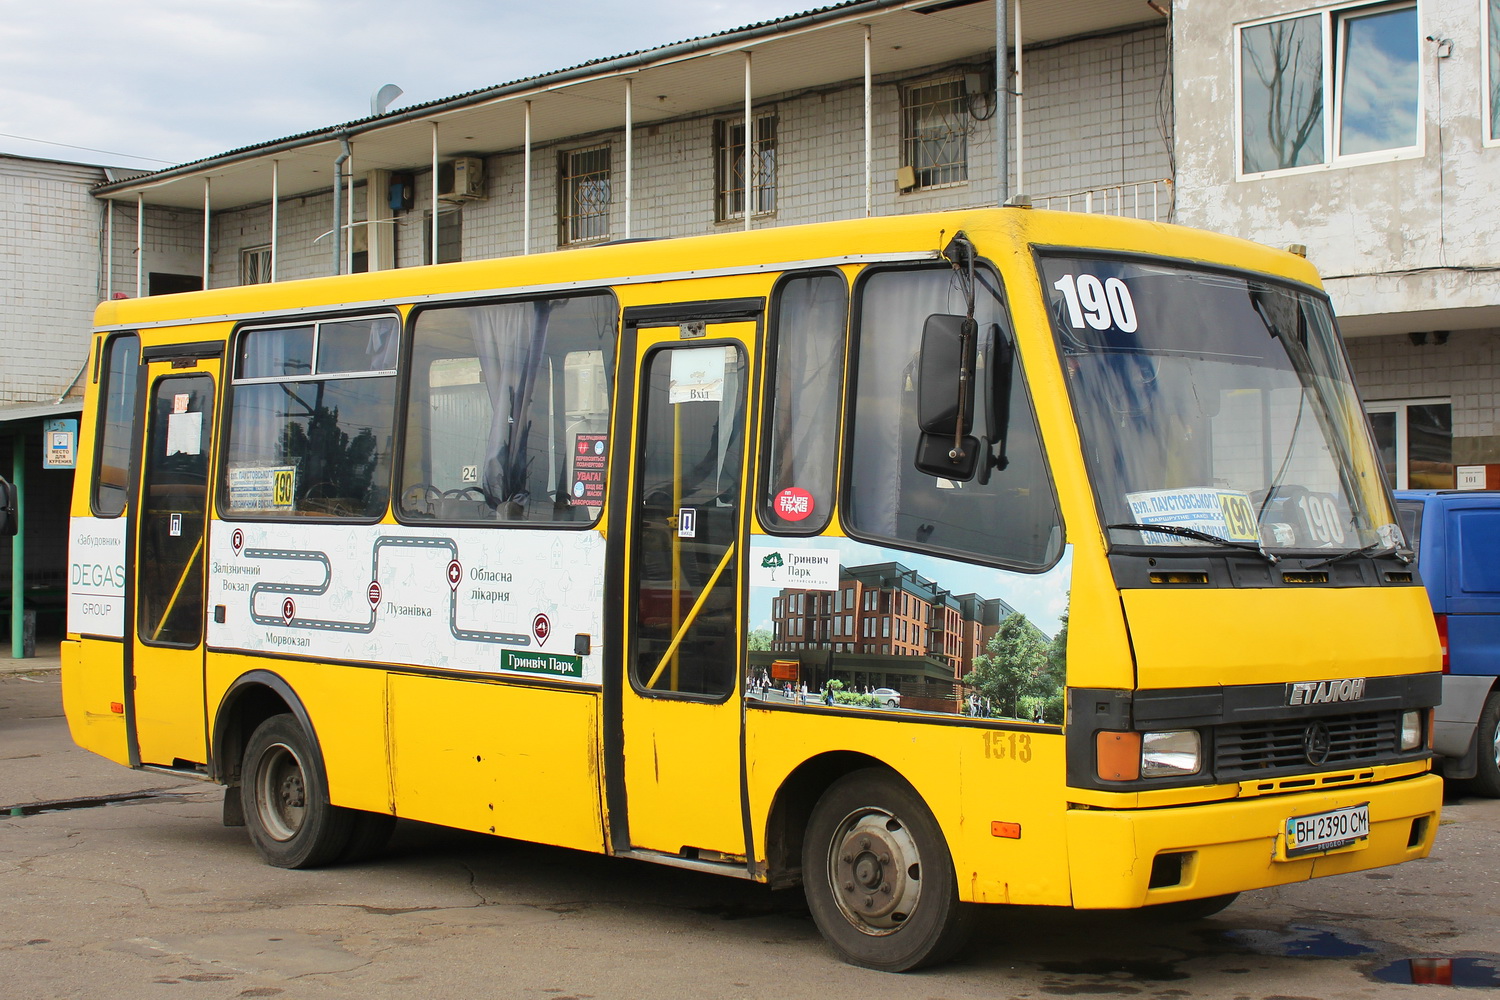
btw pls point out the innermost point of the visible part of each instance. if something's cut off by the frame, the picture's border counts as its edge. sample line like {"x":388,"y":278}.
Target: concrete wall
{"x":49,"y":271}
{"x":1464,"y":370}
{"x":1394,"y":239}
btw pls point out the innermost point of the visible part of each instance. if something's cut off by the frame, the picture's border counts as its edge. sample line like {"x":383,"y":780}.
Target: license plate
{"x":1327,"y":831}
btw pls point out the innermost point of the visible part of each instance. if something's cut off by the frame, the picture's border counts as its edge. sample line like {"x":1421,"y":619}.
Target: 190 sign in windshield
{"x":1218,"y":403}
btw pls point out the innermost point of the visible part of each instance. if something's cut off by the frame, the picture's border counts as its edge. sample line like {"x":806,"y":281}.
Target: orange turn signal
{"x":1117,"y":756}
{"x":1010,"y":831}
{"x":117,"y":708}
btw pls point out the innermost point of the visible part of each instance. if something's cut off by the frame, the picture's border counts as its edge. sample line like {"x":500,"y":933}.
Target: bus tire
{"x":878,"y":876}
{"x":1486,"y":780}
{"x":1185,"y":911}
{"x":287,"y":812}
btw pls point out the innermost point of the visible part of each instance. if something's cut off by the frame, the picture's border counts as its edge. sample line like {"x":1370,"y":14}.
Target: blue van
{"x":1456,"y":535}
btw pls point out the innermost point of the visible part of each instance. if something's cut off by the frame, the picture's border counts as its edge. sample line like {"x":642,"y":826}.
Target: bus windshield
{"x":1218,"y":404}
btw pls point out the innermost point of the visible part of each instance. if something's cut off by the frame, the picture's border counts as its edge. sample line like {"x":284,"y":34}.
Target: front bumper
{"x":1238,"y":845}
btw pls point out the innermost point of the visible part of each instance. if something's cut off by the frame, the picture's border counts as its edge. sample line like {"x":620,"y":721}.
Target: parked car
{"x":1456,"y":535}
{"x":888,"y":697}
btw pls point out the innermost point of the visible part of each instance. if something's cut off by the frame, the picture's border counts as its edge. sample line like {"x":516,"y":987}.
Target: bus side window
{"x":1012,"y":519}
{"x":311,"y":419}
{"x":807,"y":367}
{"x":116,"y":422}
{"x":508,"y":411}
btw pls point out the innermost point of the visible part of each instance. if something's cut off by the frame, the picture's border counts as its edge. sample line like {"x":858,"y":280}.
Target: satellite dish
{"x":382,"y":99}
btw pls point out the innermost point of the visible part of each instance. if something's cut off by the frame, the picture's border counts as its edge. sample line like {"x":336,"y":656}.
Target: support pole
{"x":275,"y":216}
{"x":749,"y":142}
{"x":433,"y":257}
{"x":140,"y":243}
{"x":1002,"y":105}
{"x":629,"y":149}
{"x":1020,"y":107}
{"x":207,"y":208}
{"x":869,"y":133}
{"x":526,"y":189}
{"x":18,"y":549}
{"x":109,"y":248}
{"x":349,"y":214}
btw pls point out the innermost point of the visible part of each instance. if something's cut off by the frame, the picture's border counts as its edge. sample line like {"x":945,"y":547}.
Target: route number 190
{"x":1098,"y":304}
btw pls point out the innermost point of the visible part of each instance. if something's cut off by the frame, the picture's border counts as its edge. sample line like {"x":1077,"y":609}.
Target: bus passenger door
{"x":165,"y":711}
{"x":674,"y":764}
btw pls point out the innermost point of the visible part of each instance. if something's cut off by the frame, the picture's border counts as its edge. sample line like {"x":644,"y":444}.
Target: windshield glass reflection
{"x":1215,"y":402}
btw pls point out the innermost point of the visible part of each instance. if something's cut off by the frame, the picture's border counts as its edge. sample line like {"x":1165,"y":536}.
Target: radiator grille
{"x":1263,"y":749}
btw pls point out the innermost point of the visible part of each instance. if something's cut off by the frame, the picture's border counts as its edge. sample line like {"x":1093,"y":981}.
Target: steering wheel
{"x":465,"y":493}
{"x":419,"y":495}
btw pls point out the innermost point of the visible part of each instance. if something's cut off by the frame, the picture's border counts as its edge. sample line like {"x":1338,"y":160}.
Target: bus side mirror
{"x":7,"y":509}
{"x":945,"y":398}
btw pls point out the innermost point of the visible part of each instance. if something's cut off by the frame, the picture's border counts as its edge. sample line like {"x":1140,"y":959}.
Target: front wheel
{"x":878,"y":876}
{"x":285,"y":799}
{"x":1487,"y":777}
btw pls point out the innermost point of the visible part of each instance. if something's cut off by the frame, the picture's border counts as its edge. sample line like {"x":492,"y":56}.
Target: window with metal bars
{"x":731,"y":166}
{"x":583,"y":201}
{"x":934,"y":133}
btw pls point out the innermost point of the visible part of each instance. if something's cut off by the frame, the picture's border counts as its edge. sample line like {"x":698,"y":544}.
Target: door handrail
{"x":691,"y":616}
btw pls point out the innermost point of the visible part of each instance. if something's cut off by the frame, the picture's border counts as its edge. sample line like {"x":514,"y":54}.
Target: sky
{"x":156,"y":83}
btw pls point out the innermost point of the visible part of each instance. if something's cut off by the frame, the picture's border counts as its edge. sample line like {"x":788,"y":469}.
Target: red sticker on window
{"x":793,"y":503}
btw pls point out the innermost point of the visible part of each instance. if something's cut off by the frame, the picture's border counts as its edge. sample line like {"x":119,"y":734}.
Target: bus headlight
{"x":1171,"y":754}
{"x":1411,"y":730}
{"x":1129,"y":756}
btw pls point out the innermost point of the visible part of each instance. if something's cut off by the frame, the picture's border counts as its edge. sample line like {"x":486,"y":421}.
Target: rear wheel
{"x":878,"y":876}
{"x":285,"y":800}
{"x":1487,"y":775}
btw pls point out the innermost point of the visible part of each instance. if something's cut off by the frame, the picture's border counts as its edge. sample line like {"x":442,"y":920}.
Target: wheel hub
{"x":281,"y":792}
{"x":875,"y":869}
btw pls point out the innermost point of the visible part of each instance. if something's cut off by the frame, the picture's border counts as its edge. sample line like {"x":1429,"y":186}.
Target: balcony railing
{"x":1150,"y":200}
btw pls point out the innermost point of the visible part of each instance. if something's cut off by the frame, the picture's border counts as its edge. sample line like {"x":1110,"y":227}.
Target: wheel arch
{"x":254,"y":697}
{"x":792,"y":806}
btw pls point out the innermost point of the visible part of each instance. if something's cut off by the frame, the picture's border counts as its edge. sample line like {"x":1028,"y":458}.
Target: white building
{"x":1374,"y":147}
{"x":1367,"y":132}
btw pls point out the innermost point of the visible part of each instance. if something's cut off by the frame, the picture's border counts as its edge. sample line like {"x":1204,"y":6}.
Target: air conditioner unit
{"x":461,"y":179}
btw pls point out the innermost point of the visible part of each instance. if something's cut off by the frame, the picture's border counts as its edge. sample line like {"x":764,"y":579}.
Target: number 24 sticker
{"x":1097,"y":304}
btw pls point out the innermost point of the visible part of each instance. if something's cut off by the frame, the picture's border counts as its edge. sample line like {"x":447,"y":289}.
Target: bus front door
{"x":165,"y":710}
{"x":675,"y":768}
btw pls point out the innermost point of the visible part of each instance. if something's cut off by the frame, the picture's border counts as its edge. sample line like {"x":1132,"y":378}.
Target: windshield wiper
{"x":1374,"y":550}
{"x":1202,"y":536}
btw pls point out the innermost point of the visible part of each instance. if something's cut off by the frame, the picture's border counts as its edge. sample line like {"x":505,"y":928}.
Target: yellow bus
{"x":996,"y":556}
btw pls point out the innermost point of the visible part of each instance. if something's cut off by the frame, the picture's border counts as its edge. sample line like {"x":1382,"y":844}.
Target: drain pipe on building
{"x":338,"y":202}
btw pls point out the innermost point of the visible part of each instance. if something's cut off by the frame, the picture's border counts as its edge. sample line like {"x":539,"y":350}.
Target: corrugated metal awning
{"x":40,"y":411}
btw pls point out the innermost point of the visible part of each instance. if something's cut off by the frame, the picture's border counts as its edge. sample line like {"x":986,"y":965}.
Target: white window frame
{"x":261,"y":254}
{"x":1403,"y":450}
{"x":1333,"y":29}
{"x":1490,"y":49}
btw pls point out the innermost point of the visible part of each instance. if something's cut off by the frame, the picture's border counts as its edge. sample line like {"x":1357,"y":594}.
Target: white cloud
{"x":178,"y":80}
